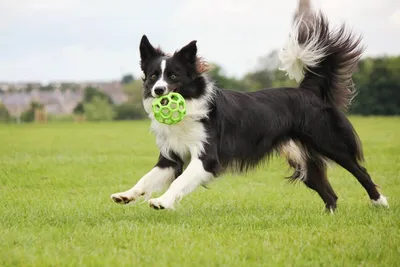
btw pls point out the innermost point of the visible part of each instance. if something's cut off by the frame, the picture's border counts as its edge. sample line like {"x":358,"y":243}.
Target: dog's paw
{"x":381,"y":201}
{"x":159,"y":204}
{"x":123,"y":198}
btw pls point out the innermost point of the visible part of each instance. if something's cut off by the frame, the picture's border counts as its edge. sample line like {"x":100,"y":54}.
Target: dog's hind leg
{"x":317,"y":180}
{"x":337,"y":141}
{"x":310,"y":168}
{"x":351,"y":165}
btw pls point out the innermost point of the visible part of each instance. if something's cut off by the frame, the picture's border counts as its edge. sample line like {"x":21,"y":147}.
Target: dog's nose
{"x":159,"y":90}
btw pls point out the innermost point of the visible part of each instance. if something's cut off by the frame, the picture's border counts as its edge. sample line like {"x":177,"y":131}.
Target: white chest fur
{"x":187,"y":138}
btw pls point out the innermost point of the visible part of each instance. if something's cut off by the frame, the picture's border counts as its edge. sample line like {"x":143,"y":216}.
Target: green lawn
{"x":56,"y":181}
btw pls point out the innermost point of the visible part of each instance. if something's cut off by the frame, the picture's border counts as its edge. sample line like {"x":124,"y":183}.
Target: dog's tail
{"x":321,"y":59}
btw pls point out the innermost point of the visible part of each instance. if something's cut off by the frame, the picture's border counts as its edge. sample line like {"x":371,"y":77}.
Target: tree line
{"x":377,"y":81}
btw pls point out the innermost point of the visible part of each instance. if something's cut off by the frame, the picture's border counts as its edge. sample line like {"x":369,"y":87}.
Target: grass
{"x":56,"y":179}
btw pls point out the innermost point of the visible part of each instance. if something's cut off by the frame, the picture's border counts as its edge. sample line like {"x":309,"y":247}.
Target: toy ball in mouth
{"x":169,"y":109}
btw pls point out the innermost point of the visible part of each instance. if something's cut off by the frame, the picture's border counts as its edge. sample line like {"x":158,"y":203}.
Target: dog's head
{"x":180,"y":72}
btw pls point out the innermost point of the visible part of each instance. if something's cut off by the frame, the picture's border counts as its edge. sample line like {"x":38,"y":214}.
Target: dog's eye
{"x":173,"y":77}
{"x":153,"y":77}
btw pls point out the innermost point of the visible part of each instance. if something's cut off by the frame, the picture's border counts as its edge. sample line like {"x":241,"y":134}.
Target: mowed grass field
{"x":56,"y":181}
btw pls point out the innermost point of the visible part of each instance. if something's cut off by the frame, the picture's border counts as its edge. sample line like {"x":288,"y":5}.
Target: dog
{"x":226,"y":130}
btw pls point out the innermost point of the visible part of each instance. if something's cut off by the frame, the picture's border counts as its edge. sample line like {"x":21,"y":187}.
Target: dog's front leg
{"x":194,"y":175}
{"x":156,"y":179}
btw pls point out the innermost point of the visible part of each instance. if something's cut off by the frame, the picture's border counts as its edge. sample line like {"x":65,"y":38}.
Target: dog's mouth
{"x":165,"y":100}
{"x":174,"y":90}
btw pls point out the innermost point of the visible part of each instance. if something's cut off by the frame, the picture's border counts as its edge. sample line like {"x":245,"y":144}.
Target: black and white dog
{"x":229,"y":130}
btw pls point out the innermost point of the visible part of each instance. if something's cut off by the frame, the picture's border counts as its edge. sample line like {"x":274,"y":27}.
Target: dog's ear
{"x":188,"y":53}
{"x":147,"y":52}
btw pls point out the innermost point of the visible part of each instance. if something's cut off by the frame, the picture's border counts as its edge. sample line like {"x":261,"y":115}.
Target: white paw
{"x":125,"y":197}
{"x":381,"y":201}
{"x":160,"y":203}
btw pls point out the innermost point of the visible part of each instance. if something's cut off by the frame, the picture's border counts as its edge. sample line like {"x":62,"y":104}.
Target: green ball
{"x":169,"y":109}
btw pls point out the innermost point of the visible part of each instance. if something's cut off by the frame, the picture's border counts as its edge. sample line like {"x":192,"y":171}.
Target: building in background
{"x":61,"y":99}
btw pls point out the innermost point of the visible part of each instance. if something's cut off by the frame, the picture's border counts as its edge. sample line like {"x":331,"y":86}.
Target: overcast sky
{"x":46,"y":40}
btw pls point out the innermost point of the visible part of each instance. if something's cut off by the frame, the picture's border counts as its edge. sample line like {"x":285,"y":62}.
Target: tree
{"x":96,"y":105}
{"x":91,"y":92}
{"x":70,"y":86}
{"x":29,"y":88}
{"x":48,"y":87}
{"x":280,"y":79}
{"x":267,"y":74}
{"x":378,"y":87}
{"x":225,"y":82}
{"x":4,"y":114}
{"x":258,"y":80}
{"x":129,"y":111}
{"x":98,"y":109}
{"x":79,"y":109}
{"x":29,"y":115}
{"x":133,"y":108}
{"x":134,"y":91}
{"x":126,"y":79}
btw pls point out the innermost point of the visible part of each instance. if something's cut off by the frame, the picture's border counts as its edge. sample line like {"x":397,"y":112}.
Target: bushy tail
{"x":321,"y":59}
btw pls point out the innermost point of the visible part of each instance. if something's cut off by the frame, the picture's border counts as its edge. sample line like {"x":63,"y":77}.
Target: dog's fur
{"x":229,"y":130}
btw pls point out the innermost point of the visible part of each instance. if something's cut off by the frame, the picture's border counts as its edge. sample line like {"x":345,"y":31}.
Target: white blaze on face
{"x":161,"y":82}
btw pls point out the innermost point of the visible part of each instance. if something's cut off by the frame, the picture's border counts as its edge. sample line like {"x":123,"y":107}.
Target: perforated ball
{"x":169,"y":109}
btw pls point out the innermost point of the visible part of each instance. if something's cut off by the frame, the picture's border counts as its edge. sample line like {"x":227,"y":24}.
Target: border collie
{"x":230,"y":130}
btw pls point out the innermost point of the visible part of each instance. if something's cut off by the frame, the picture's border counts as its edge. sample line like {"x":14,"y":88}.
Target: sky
{"x":81,"y":40}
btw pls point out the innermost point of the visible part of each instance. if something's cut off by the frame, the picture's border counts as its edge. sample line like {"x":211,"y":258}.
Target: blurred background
{"x":70,"y":60}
